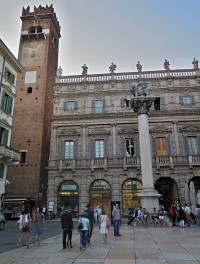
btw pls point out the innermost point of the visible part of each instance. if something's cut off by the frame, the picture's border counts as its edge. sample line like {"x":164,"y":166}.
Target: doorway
{"x":100,"y":195}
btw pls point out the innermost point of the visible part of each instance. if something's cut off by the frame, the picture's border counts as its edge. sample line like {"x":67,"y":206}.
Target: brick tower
{"x":38,"y":53}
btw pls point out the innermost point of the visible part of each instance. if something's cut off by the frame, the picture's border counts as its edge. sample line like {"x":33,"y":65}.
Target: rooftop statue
{"x":139,"y":90}
{"x":195,"y":64}
{"x":85,"y":69}
{"x":139,"y":66}
{"x":166,"y":65}
{"x":59,"y":71}
{"x":112,"y":68}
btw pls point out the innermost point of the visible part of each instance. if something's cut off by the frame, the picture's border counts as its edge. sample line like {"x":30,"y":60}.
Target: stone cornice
{"x":191,"y":128}
{"x":128,"y":131}
{"x":99,"y":131}
{"x":160,"y":129}
{"x":123,"y":115}
{"x":68,"y":132}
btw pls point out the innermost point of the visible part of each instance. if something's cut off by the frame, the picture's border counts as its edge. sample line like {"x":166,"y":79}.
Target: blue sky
{"x":98,"y":32}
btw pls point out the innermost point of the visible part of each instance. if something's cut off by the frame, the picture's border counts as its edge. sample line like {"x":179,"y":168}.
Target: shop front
{"x":131,"y":189}
{"x":100,"y":195}
{"x":68,"y":195}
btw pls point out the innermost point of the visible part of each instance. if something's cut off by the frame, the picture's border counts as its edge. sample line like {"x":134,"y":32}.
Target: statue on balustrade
{"x":59,"y":71}
{"x":195,"y":64}
{"x":85,"y":69}
{"x":139,"y":66}
{"x":112,"y":67}
{"x":166,"y":65}
{"x":140,"y":90}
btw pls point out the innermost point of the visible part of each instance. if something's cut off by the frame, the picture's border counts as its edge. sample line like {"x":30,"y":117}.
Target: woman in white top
{"x":104,"y":222}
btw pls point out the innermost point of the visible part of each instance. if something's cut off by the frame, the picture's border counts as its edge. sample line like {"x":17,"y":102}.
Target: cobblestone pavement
{"x":137,"y":245}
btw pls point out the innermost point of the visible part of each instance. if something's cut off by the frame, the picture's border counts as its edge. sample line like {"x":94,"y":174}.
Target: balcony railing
{"x":9,"y":155}
{"x":163,"y":161}
{"x":124,"y":163}
{"x":194,"y":160}
{"x":125,"y":76}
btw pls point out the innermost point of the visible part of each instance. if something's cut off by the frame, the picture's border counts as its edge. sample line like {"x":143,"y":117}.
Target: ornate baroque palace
{"x":94,"y":149}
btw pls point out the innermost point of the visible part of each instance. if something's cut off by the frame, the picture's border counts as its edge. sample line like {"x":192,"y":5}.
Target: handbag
{"x":80,"y":225}
{"x":108,"y":224}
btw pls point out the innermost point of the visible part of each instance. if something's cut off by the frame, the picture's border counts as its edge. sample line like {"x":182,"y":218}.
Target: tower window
{"x":29,"y":90}
{"x":23,"y":157}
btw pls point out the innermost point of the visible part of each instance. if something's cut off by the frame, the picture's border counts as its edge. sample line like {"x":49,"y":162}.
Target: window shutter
{"x":75,"y":149}
{"x":137,"y":146}
{"x":192,"y":99}
{"x":122,"y":103}
{"x":104,"y":106}
{"x":92,"y":149}
{"x":162,"y":103}
{"x":65,"y":106}
{"x":75,"y":105}
{"x":185,"y":143}
{"x":10,"y":104}
{"x":13,"y":79}
{"x":169,"y":150}
{"x":198,"y":145}
{"x":2,"y":99}
{"x":154,"y":146}
{"x":106,"y":148}
{"x":5,"y":140}
{"x":123,"y":147}
{"x":93,"y":106}
{"x":6,"y":72}
{"x":62,"y":150}
{"x":181,"y":100}
{"x":1,"y":171}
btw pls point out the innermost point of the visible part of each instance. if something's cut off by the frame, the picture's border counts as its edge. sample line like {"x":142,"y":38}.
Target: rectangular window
{"x":186,"y":100}
{"x":192,"y":145}
{"x":69,"y":149}
{"x":23,"y":157}
{"x":98,"y":106}
{"x":6,"y":102}
{"x":9,"y":76}
{"x":157,"y":104}
{"x":130,"y":148}
{"x":161,"y":146}
{"x":99,"y":148}
{"x":126,"y":103}
{"x":70,"y":105}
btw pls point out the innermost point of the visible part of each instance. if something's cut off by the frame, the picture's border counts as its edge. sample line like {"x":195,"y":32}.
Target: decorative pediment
{"x":68,"y":132}
{"x":128,"y":130}
{"x":5,"y":122}
{"x":160,"y":129}
{"x":191,"y":128}
{"x":99,"y":131}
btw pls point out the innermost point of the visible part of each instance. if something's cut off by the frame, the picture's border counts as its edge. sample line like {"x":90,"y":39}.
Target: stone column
{"x":114,"y":140}
{"x":84,"y":142}
{"x":176,"y":137}
{"x":149,"y":196}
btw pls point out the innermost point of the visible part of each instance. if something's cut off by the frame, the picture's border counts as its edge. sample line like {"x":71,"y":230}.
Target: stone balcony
{"x":158,"y":162}
{"x":9,"y":155}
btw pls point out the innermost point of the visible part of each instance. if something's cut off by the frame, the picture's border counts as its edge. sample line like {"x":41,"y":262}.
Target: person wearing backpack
{"x":23,"y":221}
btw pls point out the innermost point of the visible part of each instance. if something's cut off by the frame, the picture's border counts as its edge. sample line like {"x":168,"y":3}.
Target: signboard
{"x":100,"y":185}
{"x":50,"y":206}
{"x":65,"y":187}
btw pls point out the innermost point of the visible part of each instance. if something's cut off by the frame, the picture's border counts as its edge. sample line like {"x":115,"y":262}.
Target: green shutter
{"x":181,"y":100}
{"x":12,"y":78}
{"x":2,"y":99}
{"x":93,"y":106}
{"x":5,"y":139}
{"x":10,"y":104}
{"x":168,"y":143}
{"x":123,"y":147}
{"x":92,"y":148}
{"x":162,"y":104}
{"x":154,"y":147}
{"x":62,"y":150}
{"x":1,"y":171}
{"x":6,"y":72}
{"x":192,"y":99}
{"x":104,"y":106}
{"x":65,"y":108}
{"x":185,"y":143}
{"x":137,"y":147}
{"x":106,"y":148}
{"x":122,"y":103}
{"x":75,"y":149}
{"x":75,"y":105}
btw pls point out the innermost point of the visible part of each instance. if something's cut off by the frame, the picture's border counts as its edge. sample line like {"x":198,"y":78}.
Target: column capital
{"x":141,"y":105}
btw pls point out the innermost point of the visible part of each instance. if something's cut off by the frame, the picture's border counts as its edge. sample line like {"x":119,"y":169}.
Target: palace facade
{"x":94,"y":149}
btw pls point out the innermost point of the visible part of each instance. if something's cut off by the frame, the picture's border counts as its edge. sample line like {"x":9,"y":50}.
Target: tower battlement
{"x":39,"y":11}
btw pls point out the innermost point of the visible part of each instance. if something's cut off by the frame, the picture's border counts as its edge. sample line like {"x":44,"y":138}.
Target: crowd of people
{"x":177,"y":214}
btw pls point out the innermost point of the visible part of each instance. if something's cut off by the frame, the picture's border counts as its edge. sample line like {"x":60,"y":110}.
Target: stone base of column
{"x":149,"y":199}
